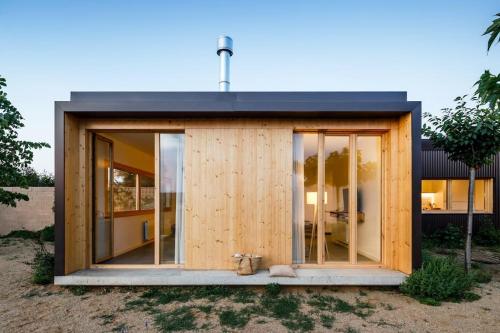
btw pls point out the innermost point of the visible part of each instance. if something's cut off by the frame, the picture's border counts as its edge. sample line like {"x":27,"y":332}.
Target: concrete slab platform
{"x":178,"y":277}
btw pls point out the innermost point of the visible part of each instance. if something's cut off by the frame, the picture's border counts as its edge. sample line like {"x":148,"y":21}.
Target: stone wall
{"x":33,"y":215}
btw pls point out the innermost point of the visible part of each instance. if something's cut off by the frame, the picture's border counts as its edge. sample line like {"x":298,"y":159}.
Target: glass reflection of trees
{"x":338,"y":161}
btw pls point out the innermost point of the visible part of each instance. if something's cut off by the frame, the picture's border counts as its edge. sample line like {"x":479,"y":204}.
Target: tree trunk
{"x":470,"y":216}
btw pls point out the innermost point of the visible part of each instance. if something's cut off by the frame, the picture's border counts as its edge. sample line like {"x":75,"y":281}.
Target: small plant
{"x":282,"y":306}
{"x":24,"y":234}
{"x":327,"y":320}
{"x":438,"y":280}
{"x":107,"y":318}
{"x":299,"y":322}
{"x":487,"y":235}
{"x":47,"y":234}
{"x":244,"y":295}
{"x":78,"y":290}
{"x":233,"y":319}
{"x":180,"y":319}
{"x":42,"y":266}
{"x":273,"y":289}
{"x":449,"y":237}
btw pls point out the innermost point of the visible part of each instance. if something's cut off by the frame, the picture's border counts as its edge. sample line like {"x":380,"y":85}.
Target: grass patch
{"x":46,"y":234}
{"x":42,"y":266}
{"x":121,"y":328}
{"x":299,"y":322}
{"x":326,"y":320}
{"x":23,"y":234}
{"x":334,"y":304}
{"x":107,"y":318}
{"x":79,"y":290}
{"x":180,"y":319}
{"x":281,"y":307}
{"x":233,"y":319}
{"x":244,"y":295}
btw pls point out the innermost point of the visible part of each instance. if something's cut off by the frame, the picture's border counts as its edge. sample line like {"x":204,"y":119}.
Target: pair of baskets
{"x":246,"y":264}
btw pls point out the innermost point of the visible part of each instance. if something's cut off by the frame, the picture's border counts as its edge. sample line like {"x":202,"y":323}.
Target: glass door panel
{"x":171,"y":198}
{"x":336,"y":200}
{"x":369,"y":203}
{"x":103,"y":211}
{"x":305,"y":207}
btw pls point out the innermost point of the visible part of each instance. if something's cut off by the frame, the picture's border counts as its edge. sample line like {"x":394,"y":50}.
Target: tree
{"x":15,"y":155}
{"x":488,"y":85}
{"x":470,"y":135}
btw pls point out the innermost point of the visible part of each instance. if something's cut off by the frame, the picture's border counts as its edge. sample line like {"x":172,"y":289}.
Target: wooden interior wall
{"x":238,"y":195}
{"x":75,"y":212}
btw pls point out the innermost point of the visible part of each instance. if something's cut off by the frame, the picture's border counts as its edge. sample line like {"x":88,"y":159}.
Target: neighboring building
{"x":444,"y":191}
{"x":163,"y":187}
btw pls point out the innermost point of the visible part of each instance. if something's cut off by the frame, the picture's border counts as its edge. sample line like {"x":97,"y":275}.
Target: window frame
{"x":138,"y":174}
{"x":448,"y":198}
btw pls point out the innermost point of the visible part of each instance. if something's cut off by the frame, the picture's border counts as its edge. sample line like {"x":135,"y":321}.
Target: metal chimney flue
{"x":224,"y":51}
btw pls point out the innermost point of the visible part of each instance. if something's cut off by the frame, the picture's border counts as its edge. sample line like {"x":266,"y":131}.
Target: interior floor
{"x":144,"y":255}
{"x":336,"y":252}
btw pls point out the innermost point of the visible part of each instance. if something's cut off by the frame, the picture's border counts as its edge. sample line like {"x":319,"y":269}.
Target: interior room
{"x":124,"y":202}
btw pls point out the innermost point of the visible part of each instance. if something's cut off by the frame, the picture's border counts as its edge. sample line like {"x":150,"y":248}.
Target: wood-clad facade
{"x":238,"y":168}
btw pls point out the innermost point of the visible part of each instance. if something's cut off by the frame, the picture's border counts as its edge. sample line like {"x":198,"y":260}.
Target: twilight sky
{"x":432,"y":49}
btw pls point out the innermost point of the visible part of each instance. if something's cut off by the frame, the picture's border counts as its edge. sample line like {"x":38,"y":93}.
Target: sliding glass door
{"x":171,"y":215}
{"x":102,"y":197}
{"x":344,"y":225}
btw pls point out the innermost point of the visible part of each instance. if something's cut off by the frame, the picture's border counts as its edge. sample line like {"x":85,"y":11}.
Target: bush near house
{"x":45,"y":235}
{"x":443,"y":279}
{"x":43,"y":266}
{"x":488,"y":234}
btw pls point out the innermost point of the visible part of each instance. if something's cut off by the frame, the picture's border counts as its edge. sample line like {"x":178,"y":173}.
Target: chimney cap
{"x":224,"y":43}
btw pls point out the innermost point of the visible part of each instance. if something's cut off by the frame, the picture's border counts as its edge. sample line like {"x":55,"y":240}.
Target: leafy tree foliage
{"x":470,"y":135}
{"x":494,"y":31}
{"x":15,"y":155}
{"x":488,"y":85}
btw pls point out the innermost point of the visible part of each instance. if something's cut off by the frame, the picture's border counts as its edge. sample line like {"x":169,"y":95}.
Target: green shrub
{"x":281,"y":306}
{"x":180,"y":319}
{"x":450,"y":237}
{"x":487,"y":235}
{"x":42,"y":266}
{"x":233,"y":319}
{"x":47,"y":233}
{"x":24,"y":234}
{"x":439,"y":279}
{"x":273,"y":289}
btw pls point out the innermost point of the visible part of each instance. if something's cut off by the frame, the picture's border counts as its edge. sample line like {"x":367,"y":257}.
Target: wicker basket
{"x":246,"y":264}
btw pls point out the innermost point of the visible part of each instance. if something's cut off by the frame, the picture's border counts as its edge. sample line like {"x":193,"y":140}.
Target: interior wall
{"x":127,"y":231}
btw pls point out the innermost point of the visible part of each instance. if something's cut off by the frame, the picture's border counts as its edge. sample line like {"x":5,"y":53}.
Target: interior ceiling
{"x":141,"y":141}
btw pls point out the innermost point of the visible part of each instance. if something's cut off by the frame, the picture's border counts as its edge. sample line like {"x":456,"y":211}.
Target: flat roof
{"x":237,"y":104}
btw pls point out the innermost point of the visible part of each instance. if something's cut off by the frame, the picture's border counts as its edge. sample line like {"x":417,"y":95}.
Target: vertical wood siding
{"x":238,"y":195}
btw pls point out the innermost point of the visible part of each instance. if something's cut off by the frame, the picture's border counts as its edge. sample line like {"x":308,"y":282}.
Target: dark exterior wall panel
{"x":436,"y":165}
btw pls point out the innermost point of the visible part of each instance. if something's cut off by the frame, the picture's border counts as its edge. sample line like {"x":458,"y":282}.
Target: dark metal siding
{"x":435,"y":165}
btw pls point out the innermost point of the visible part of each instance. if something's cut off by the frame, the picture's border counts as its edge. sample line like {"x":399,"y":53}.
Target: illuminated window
{"x":451,"y":195}
{"x":434,"y":195}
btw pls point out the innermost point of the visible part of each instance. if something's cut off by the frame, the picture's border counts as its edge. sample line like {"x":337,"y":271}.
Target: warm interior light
{"x":430,"y":196}
{"x":312,"y":198}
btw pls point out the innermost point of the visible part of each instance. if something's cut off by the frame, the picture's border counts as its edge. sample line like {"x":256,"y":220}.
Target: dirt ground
{"x":25,"y":307}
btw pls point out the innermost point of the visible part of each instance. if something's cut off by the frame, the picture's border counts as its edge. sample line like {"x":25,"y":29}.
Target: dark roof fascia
{"x":240,"y":96}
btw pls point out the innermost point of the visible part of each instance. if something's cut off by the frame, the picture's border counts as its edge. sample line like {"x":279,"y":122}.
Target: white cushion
{"x":282,"y":270}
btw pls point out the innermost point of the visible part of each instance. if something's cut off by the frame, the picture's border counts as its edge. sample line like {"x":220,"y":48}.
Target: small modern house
{"x":444,"y":191}
{"x":164,"y":187}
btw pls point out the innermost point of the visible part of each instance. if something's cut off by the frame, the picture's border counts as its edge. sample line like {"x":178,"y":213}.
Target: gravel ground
{"x":25,"y":307}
